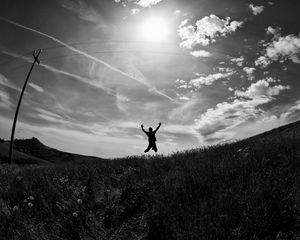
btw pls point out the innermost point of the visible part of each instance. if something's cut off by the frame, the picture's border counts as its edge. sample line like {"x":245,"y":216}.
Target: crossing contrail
{"x":58,"y":71}
{"x":151,"y":88}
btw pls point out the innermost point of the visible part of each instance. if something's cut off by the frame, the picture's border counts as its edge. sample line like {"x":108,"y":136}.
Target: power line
{"x":112,"y":51}
{"x":57,"y":46}
{"x":119,"y":51}
{"x":101,"y":52}
{"x":108,"y":42}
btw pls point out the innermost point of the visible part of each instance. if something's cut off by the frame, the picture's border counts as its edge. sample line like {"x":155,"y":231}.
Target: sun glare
{"x":154,"y":29}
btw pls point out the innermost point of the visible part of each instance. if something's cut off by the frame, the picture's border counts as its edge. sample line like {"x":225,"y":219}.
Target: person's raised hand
{"x":142,"y":125}
{"x":159,"y":124}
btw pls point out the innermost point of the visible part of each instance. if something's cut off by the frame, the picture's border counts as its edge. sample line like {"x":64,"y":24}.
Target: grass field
{"x":244,"y":190}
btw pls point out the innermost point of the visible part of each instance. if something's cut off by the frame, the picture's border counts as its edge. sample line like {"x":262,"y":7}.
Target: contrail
{"x":88,"y":56}
{"x":58,"y":71}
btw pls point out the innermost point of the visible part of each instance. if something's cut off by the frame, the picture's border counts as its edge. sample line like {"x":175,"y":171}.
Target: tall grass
{"x":243,"y":190}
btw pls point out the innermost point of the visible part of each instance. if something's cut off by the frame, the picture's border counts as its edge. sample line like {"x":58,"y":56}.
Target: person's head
{"x":150,"y":129}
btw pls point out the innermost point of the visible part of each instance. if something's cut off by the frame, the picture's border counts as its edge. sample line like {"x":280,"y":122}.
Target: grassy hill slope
{"x":244,"y":190}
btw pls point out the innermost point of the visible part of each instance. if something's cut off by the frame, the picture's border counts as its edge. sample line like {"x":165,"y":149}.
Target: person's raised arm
{"x":157,"y":127}
{"x":142,"y":126}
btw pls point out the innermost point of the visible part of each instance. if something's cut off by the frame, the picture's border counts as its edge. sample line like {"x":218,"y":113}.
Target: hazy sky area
{"x":210,"y":70}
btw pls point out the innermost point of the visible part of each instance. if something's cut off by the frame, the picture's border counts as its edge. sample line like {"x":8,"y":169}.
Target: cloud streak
{"x":5,"y":82}
{"x":152,"y":88}
{"x":5,"y":101}
{"x":36,"y":87}
{"x":207,"y":80}
{"x":82,"y":9}
{"x":58,"y":71}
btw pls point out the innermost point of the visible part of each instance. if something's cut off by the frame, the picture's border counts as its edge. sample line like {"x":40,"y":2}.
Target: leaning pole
{"x":36,"y":60}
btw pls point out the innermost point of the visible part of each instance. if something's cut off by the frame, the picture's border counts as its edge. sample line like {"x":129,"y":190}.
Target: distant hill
{"x":19,"y":157}
{"x":34,"y":151}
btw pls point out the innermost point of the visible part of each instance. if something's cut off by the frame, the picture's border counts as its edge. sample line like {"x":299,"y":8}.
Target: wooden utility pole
{"x":36,"y":60}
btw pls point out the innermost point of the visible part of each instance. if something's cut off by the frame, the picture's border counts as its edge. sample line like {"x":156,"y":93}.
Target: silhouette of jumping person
{"x":151,"y":138}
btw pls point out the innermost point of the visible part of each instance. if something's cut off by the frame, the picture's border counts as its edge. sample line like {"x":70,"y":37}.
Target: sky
{"x":211,"y":71}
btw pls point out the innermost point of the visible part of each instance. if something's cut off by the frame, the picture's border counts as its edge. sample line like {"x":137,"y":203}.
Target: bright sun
{"x":154,"y":29}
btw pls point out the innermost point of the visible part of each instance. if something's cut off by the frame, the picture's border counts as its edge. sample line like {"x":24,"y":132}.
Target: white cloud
{"x":273,"y":31}
{"x":147,"y":3}
{"x":177,"y":13}
{"x":227,"y":115}
{"x":262,"y":61}
{"x":183,"y":22}
{"x":293,"y":112}
{"x":225,"y":69}
{"x":184,"y":98}
{"x":249,"y":71}
{"x":206,"y":30}
{"x":134,"y":11}
{"x":261,"y":89}
{"x":283,"y":48}
{"x":239,"y":61}
{"x":280,"y":48}
{"x":284,"y":68}
{"x":209,"y":79}
{"x":180,"y":81}
{"x":122,"y":102}
{"x":184,"y":86}
{"x":36,"y":87}
{"x":200,"y":53}
{"x":256,"y":9}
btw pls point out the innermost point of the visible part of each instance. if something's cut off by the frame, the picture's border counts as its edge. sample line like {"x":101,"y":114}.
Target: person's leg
{"x":154,"y":147}
{"x":148,"y":148}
